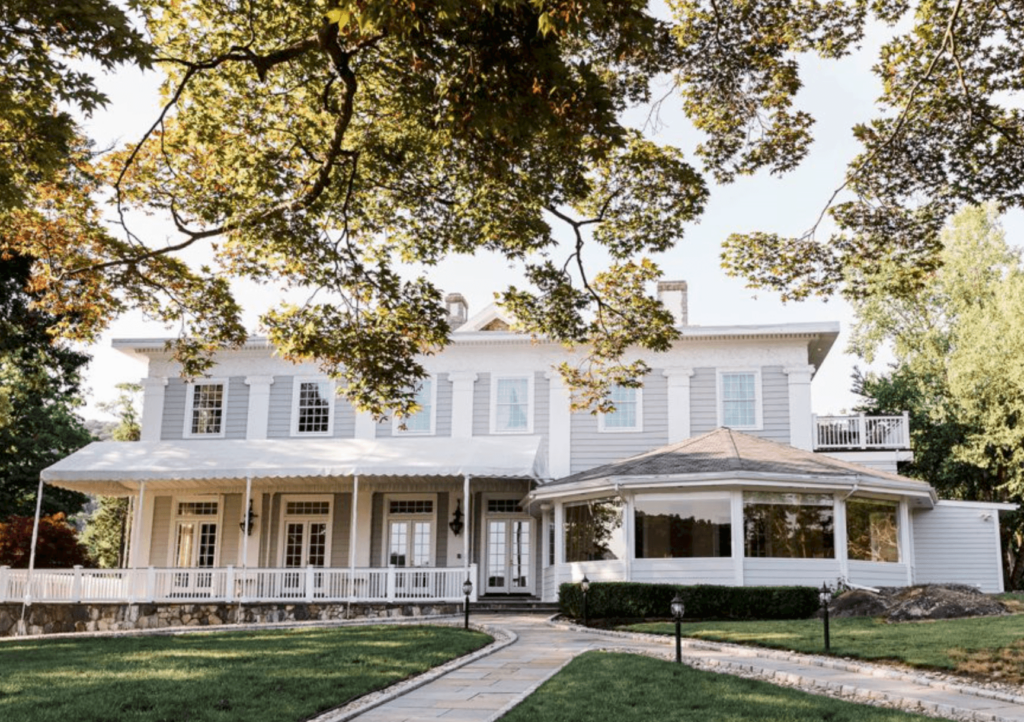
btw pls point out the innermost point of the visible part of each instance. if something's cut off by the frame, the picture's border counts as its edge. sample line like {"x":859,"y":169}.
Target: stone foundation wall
{"x":57,"y":618}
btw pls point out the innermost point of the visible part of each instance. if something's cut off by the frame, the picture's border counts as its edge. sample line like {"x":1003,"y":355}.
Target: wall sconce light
{"x":456,"y":522}
{"x":250,"y":519}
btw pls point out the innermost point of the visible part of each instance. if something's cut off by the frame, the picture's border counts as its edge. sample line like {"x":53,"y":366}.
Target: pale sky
{"x":838,"y":95}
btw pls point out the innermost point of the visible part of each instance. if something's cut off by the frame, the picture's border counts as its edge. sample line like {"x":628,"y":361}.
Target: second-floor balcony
{"x":861,"y":432}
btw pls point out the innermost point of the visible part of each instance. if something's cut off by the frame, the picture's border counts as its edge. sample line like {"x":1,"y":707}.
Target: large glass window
{"x":871,"y":530}
{"x":422,"y":422}
{"x":793,"y":526}
{"x":626,"y":416}
{"x":593,"y":531}
{"x":207,"y":409}
{"x":313,"y":415}
{"x":512,"y":405}
{"x":739,"y":400}
{"x":691,"y":525}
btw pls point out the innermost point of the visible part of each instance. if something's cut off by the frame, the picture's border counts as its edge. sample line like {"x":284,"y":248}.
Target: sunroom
{"x":730,"y":508}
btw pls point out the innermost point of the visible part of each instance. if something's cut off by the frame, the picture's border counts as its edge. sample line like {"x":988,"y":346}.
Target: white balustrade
{"x":862,"y":432}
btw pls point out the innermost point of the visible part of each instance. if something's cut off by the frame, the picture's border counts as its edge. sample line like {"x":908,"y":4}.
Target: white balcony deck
{"x":861,"y":432}
{"x":231,"y":585}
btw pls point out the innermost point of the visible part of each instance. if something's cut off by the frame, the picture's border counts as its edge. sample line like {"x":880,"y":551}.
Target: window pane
{"x":419,"y":423}
{"x":593,"y":531}
{"x":738,"y":400}
{"x":624,"y":416}
{"x":683,"y":528}
{"x":872,"y":531}
{"x":411,"y":506}
{"x":207,"y":408}
{"x":314,"y":407}
{"x":310,"y":508}
{"x":791,"y":526}
{"x":513,"y":406}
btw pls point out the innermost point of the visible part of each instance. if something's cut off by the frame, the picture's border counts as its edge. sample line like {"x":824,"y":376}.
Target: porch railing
{"x":229,"y":584}
{"x":862,"y":432}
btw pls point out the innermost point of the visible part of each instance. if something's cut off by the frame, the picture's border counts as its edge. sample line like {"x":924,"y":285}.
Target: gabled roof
{"x":490,"y":318}
{"x":727,"y":455}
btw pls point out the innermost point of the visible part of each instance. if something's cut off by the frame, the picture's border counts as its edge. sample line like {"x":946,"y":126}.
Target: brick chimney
{"x":672,"y":295}
{"x":458,"y":309}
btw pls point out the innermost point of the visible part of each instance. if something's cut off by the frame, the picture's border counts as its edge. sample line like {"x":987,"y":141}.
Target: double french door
{"x":195,"y":548}
{"x":305,"y":545}
{"x":509,"y":568}
{"x":409,"y":545}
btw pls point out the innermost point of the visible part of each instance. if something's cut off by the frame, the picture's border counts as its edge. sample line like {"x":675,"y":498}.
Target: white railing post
{"x":150,"y":584}
{"x":863,"y":430}
{"x":309,"y":583}
{"x":76,"y":585}
{"x":5,"y":575}
{"x":229,"y":583}
{"x":391,"y":583}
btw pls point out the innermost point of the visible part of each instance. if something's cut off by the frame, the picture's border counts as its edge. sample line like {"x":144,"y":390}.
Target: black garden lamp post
{"x":585,"y":587}
{"x":825,"y":596}
{"x":678,"y":609}
{"x":467,"y":589}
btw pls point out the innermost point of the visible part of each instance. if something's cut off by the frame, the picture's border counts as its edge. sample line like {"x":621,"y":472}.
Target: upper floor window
{"x":206,"y":404}
{"x":422,"y":422}
{"x":739,"y":399}
{"x":628,"y":414}
{"x":511,"y":410}
{"x":313,"y":404}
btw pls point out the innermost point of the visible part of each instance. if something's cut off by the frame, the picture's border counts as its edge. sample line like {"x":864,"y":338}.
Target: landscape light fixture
{"x":678,"y":610}
{"x":467,"y":589}
{"x":825,"y":596}
{"x":456,"y":522}
{"x":248,"y":521}
{"x":585,"y":587}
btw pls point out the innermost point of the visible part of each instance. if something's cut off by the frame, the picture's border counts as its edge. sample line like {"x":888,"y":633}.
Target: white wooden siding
{"x":877,"y":574}
{"x":954,"y":543}
{"x":592,"y":448}
{"x":790,"y":572}
{"x":173,"y":423}
{"x":684,"y":571}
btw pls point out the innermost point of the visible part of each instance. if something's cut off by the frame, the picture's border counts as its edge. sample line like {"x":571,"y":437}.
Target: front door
{"x":195,"y":548}
{"x":305,"y":545}
{"x":509,"y":569}
{"x":409,"y":544}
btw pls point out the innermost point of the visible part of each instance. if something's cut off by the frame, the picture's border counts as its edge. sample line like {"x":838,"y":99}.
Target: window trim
{"x":495,"y":378}
{"x":603,"y":428}
{"x":385,"y":552}
{"x":285,"y":518}
{"x":900,"y":555}
{"x":396,"y":422}
{"x":297,"y":382}
{"x":758,"y":398}
{"x":190,"y":407}
{"x":172,"y":542}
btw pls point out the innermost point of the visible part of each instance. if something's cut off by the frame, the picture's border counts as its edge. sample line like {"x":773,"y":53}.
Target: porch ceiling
{"x":113,"y":468}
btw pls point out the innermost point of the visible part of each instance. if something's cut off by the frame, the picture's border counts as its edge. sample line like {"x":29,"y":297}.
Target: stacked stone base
{"x":58,"y":618}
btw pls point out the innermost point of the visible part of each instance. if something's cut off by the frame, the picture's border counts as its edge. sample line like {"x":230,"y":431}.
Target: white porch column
{"x":462,"y":405}
{"x":352,"y":537}
{"x":559,"y":426}
{"x":259,"y":406}
{"x":467,"y":530}
{"x":136,"y":543}
{"x":559,"y":539}
{"x":736,"y":507}
{"x":678,"y":403}
{"x":152,"y":407}
{"x":32,"y":550}
{"x":366,"y":427}
{"x":627,"y":528}
{"x":839,"y":530}
{"x":907,"y":541}
{"x":801,"y":426}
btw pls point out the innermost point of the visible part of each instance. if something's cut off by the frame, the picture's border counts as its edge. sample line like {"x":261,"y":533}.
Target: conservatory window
{"x":789,"y":526}
{"x":594,"y":531}
{"x":872,"y":532}
{"x":677,"y":526}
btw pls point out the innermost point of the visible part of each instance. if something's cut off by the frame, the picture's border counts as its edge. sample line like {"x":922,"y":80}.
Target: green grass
{"x":956,"y":644}
{"x":628,"y":688}
{"x":279,"y":675}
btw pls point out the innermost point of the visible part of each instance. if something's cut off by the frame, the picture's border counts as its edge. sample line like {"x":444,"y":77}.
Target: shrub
{"x":636,"y":600}
{"x":57,"y":547}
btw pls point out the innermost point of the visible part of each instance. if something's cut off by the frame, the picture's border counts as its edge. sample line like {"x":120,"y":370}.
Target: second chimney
{"x":672,"y":295}
{"x":458,"y":309}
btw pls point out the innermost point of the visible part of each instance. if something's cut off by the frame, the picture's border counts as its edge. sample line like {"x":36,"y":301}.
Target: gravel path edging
{"x":502,"y":638}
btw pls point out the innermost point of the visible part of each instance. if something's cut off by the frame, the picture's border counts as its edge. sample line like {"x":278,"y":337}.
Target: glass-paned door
{"x":509,"y":568}
{"x":409,"y":545}
{"x":195,"y":548}
{"x":305,"y":545}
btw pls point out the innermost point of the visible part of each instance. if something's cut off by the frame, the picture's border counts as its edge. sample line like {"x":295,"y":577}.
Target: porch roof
{"x":114,"y":467}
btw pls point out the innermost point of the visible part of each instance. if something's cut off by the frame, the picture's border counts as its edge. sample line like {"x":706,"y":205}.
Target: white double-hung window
{"x":628,"y":414}
{"x":313,"y":407}
{"x":739,"y":399}
{"x":422,"y":422}
{"x":511,"y":405}
{"x":205,"y":406}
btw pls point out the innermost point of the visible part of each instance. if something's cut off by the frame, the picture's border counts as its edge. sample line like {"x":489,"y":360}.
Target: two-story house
{"x":260,"y":483}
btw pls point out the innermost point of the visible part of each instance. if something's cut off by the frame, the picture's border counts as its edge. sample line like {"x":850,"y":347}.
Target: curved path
{"x":487,"y":687}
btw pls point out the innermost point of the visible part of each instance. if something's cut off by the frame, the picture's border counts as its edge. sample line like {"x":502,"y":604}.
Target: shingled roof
{"x":725,"y":450}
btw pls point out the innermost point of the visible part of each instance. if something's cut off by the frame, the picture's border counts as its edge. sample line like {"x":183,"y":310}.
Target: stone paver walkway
{"x":488,"y":687}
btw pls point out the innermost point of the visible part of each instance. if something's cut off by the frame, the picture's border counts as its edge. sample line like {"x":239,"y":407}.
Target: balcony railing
{"x":228,"y":584}
{"x":862,"y":432}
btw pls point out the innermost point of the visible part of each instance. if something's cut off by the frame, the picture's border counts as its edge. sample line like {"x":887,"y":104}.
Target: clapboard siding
{"x":878,"y":574}
{"x":953,"y":543}
{"x":230,"y":534}
{"x":377,"y":530}
{"x":342,"y":510}
{"x":482,"y":405}
{"x":161,"y":535}
{"x":441,"y":530}
{"x":591,"y":448}
{"x":173,"y":424}
{"x":443,"y":407}
{"x":703,"y":401}
{"x":279,"y":423}
{"x":344,"y":419}
{"x":684,"y":571}
{"x":789,"y":572}
{"x":774,"y":401}
{"x":238,"y":408}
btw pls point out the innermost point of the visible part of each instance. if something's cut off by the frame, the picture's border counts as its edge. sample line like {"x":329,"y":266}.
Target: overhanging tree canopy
{"x":319,"y":145}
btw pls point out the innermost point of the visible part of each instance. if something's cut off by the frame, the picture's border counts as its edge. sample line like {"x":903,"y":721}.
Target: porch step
{"x":513,"y":605}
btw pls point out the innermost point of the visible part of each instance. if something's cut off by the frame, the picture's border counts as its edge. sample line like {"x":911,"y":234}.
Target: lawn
{"x":628,"y":688}
{"x":278,"y":675}
{"x":978,"y":646}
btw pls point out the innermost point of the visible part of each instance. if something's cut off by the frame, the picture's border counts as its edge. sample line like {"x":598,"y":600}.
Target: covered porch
{"x":390,"y":521}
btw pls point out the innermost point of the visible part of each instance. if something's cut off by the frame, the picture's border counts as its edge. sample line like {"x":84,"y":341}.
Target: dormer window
{"x":313,"y":404}
{"x":422,"y":422}
{"x":206,"y":404}
{"x":511,"y":405}
{"x":628,"y":414}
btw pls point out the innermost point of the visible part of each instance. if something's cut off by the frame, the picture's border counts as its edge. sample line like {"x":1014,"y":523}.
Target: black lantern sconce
{"x":246,"y":524}
{"x":456,"y":522}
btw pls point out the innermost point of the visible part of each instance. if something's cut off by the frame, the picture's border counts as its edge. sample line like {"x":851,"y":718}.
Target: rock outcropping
{"x":907,"y":604}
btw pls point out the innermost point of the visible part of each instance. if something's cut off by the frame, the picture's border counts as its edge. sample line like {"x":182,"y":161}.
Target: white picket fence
{"x":862,"y":432}
{"x":228,"y":584}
